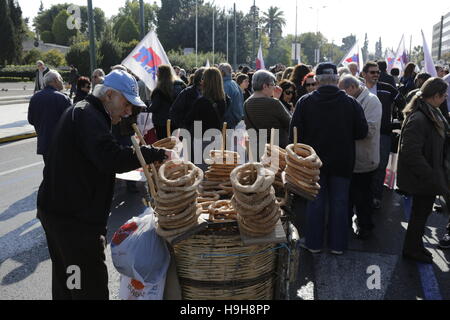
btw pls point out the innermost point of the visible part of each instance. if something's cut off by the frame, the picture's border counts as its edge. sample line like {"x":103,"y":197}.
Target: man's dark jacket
{"x":44,"y":111}
{"x":79,"y":179}
{"x":330,"y":121}
{"x":421,"y":168}
{"x":387,"y":78}
{"x":392,"y":102}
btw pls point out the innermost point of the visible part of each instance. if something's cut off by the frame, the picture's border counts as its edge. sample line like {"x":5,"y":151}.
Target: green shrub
{"x":54,"y":58}
{"x":27,"y":72}
{"x":32,"y":56}
{"x":78,"y":55}
{"x":128,"y":31}
{"x":127,"y":48}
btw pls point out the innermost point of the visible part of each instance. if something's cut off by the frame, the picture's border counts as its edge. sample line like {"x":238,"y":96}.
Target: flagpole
{"x":235,"y":38}
{"x":213,"y":35}
{"x":226,"y":16}
{"x":196,"y":33}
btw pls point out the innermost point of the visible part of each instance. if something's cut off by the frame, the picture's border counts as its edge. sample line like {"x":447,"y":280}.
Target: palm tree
{"x":274,"y":22}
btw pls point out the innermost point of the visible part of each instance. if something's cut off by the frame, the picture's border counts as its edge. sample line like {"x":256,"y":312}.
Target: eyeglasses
{"x":289,"y":92}
{"x":374,"y":72}
{"x":310,"y":84}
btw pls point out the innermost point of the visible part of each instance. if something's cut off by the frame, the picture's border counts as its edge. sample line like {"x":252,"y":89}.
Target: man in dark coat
{"x":75,"y":197}
{"x":73,"y":79}
{"x":384,"y":76}
{"x":45,"y":109}
{"x":329,"y":121}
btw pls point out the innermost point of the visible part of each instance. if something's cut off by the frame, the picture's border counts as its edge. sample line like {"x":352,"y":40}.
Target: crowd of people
{"x":348,"y":116}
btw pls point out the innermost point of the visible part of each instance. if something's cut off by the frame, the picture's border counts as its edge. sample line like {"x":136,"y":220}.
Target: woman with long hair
{"x":297,"y":76}
{"x":421,"y":169}
{"x":210,"y":107}
{"x":287,"y":97}
{"x":165,"y":93}
{"x":407,"y":81}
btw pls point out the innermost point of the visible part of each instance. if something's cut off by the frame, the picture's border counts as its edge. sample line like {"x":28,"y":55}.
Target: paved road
{"x":16,"y":89}
{"x":25,"y":267}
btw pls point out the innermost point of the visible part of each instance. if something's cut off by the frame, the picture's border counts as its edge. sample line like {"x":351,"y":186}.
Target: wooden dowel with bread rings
{"x":169,"y":132}
{"x":139,"y":134}
{"x":224,"y":137}
{"x":137,"y":149}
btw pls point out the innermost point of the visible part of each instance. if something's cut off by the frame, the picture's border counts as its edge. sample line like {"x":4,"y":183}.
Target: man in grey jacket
{"x":367,"y":155}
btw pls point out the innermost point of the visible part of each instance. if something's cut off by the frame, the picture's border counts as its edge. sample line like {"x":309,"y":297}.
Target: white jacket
{"x":368,"y":150}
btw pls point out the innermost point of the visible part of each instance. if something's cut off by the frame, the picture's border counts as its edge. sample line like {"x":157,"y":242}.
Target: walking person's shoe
{"x":444,"y":243}
{"x":302,"y":243}
{"x":337,"y":252}
{"x":418,"y":256}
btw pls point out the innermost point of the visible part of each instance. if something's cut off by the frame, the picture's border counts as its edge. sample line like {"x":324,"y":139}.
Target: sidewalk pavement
{"x":14,"y":124}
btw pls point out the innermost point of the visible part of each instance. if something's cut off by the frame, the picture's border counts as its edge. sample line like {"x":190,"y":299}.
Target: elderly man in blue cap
{"x":329,"y":121}
{"x":75,"y":196}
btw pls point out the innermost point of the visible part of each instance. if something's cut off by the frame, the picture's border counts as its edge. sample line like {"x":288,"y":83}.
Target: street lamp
{"x":317,"y":17}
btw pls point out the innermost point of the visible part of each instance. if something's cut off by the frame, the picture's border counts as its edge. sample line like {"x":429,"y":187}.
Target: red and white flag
{"x":401,"y":57}
{"x":354,"y":55}
{"x":144,"y":60}
{"x":260,"y":60}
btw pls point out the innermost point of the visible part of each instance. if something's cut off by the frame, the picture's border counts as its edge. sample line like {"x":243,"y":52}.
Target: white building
{"x":445,"y":37}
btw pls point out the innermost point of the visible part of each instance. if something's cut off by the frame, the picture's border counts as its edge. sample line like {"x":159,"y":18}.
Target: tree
{"x":378,"y":50}
{"x":15,"y":13}
{"x":30,"y":57}
{"x":7,"y":38}
{"x":47,"y":36}
{"x":54,"y":58}
{"x":348,"y":42}
{"x":417,"y":55}
{"x":310,"y":42}
{"x":127,"y":48}
{"x":132,"y":10}
{"x":61,"y":33}
{"x":273,"y":23}
{"x":78,"y":55}
{"x":110,"y":53}
{"x":128,"y":31}
{"x":365,"y":49}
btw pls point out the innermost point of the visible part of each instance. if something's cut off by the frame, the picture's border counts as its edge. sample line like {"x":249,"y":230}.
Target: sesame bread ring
{"x":256,"y":185}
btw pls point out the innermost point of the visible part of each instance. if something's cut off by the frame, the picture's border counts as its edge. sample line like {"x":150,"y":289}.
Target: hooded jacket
{"x":368,"y":150}
{"x":330,"y":121}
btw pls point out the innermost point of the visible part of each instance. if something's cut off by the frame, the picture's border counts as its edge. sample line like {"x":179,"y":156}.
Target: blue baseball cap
{"x":126,"y":84}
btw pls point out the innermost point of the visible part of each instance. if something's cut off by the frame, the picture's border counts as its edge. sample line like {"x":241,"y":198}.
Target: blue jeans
{"x":380,"y":174}
{"x":334,"y":194}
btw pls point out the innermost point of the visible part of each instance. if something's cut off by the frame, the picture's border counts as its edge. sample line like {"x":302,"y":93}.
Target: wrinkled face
{"x":41,"y":67}
{"x":96,"y":78}
{"x":372,"y":75}
{"x":353,"y":69}
{"x":288,"y":94}
{"x":117,"y":106}
{"x":310,"y":85}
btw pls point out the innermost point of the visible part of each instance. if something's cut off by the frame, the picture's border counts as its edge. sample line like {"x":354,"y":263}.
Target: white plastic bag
{"x":139,"y":253}
{"x":132,"y":289}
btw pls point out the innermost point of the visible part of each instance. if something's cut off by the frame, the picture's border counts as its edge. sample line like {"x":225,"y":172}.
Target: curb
{"x":18,"y":137}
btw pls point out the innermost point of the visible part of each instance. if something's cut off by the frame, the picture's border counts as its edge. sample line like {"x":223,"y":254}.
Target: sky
{"x":336,"y":19}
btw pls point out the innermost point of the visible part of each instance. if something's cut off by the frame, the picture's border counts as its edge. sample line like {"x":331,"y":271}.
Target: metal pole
{"x":235,"y":38}
{"x":440,"y":38}
{"x":254,"y":26}
{"x":141,"y":18}
{"x":410,"y":49}
{"x":91,"y":37}
{"x":213,"y":35}
{"x":296,"y":20}
{"x":196,"y":33}
{"x":226,"y":17}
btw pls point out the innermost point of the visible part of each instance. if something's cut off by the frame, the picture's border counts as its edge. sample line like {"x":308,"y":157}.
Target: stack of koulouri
{"x":302,"y":171}
{"x":254,"y":199}
{"x":176,"y":198}
{"x":274,"y":159}
{"x":217,"y":177}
